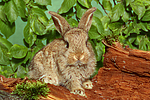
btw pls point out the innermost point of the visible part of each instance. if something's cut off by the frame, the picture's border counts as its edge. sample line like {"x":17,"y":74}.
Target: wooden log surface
{"x":125,"y":75}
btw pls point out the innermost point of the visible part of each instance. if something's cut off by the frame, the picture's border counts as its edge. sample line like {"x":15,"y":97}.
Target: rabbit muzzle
{"x":78,"y":59}
{"x":78,"y":65}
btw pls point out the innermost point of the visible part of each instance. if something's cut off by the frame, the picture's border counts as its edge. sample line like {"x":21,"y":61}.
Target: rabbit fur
{"x":68,"y":61}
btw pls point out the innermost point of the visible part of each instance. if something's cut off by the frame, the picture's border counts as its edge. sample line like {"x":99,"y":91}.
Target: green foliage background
{"x":26,"y":27}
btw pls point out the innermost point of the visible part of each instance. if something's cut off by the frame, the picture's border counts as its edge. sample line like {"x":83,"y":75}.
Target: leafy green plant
{"x":129,"y":23}
{"x":31,"y":90}
{"x":15,"y":58}
{"x":126,"y":21}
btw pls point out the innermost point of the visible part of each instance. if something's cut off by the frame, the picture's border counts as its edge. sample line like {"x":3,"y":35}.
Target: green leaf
{"x":6,"y":71}
{"x":130,"y":45}
{"x":143,"y":26}
{"x":131,"y":39}
{"x":18,"y":51}
{"x":29,"y":36}
{"x":125,"y":16}
{"x":35,"y":50}
{"x":133,"y":28}
{"x":105,"y":21}
{"x":145,"y":2}
{"x":38,"y":21}
{"x":21,"y":72}
{"x":107,"y":5}
{"x":138,"y":8}
{"x":72,"y":22}
{"x":128,"y":2}
{"x":70,"y":13}
{"x":26,"y":1}
{"x":66,"y":6}
{"x":5,"y":42}
{"x":97,"y":1}
{"x":39,"y":42}
{"x":136,"y":29}
{"x":4,"y":59}
{"x":43,"y":2}
{"x":122,"y":39}
{"x":148,"y":8}
{"x":146,"y":16}
{"x":117,"y":11}
{"x":4,"y":49}
{"x":148,"y":26}
{"x":43,"y":20}
{"x":129,"y":29}
{"x":7,"y":29}
{"x":93,"y":33}
{"x":39,"y":28}
{"x":15,"y":63}
{"x":80,"y":10}
{"x":50,"y":25}
{"x":98,"y":14}
{"x":142,"y":43}
{"x":2,"y":14}
{"x":20,"y":6}
{"x":99,"y":50}
{"x":98,"y":24}
{"x":11,"y":11}
{"x":85,"y":3}
{"x":148,"y":44}
{"x":115,"y":26}
{"x":38,"y":12}
{"x":52,"y":35}
{"x":27,"y":57}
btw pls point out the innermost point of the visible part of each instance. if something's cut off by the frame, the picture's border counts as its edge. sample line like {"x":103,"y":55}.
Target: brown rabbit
{"x":68,"y":61}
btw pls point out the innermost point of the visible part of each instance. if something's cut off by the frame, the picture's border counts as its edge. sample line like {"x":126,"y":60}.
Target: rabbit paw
{"x":79,"y":91}
{"x":49,"y":79}
{"x":87,"y":84}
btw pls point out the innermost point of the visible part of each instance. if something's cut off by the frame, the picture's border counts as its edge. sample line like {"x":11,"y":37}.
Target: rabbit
{"x":68,"y":61}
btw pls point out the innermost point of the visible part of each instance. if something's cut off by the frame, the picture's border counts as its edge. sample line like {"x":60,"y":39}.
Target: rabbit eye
{"x":67,"y":45}
{"x":86,"y":43}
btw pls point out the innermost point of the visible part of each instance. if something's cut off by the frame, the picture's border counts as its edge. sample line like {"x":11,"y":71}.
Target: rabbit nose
{"x":78,"y":61}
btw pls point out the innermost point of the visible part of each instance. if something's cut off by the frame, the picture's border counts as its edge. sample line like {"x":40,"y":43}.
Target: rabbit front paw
{"x":87,"y":84}
{"x":79,"y":91}
{"x":49,"y":79}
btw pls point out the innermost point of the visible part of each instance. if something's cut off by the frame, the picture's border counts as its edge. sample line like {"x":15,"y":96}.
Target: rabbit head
{"x":76,"y":38}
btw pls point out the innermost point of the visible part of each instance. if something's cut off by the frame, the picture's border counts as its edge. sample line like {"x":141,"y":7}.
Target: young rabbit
{"x":68,"y":61}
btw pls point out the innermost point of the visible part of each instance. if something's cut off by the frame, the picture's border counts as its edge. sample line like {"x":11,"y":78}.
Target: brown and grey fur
{"x":69,"y":61}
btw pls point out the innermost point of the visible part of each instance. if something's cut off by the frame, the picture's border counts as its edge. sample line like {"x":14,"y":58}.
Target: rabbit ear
{"x":60,"y":23}
{"x":86,"y":19}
